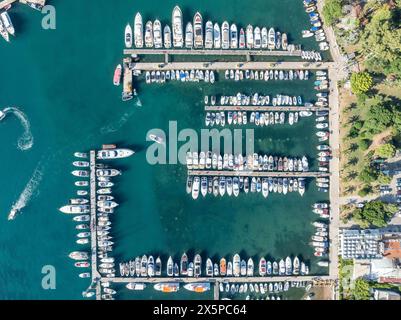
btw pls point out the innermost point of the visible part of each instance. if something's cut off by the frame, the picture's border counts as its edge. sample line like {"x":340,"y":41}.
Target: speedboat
{"x":225,"y":35}
{"x":157,"y":34}
{"x":128,"y":36}
{"x":75,"y":209}
{"x":136,"y":286}
{"x":167,"y":287}
{"x":158,"y":267}
{"x":262,"y":267}
{"x":81,"y":218}
{"x":82,"y":264}
{"x":198,"y":31}
{"x":236,"y":265}
{"x":257,"y":43}
{"x":156,"y":138}
{"x":281,"y":270}
{"x":296,"y":266}
{"x":189,"y":36}
{"x":107,"y":172}
{"x":264,"y":38}
{"x":4,"y":32}
{"x":5,"y":17}
{"x":79,"y":255}
{"x":117,"y":75}
{"x":223,"y":267}
{"x":284,"y":41}
{"x":233,"y":36}
{"x":271,"y":39}
{"x":151,"y":266}
{"x":195,"y":188}
{"x":138,"y":31}
{"x":288,"y":266}
{"x":167,"y":37}
{"x":197,"y":287}
{"x":243,"y":268}
{"x":149,"y":39}
{"x":209,"y":268}
{"x":184,"y":264}
{"x":114,"y":154}
{"x":80,"y":173}
{"x":242,"y":42}
{"x":249,"y":37}
{"x":250,"y":268}
{"x":209,"y":35}
{"x":197,"y":265}
{"x":178,"y":40}
{"x":216,"y":36}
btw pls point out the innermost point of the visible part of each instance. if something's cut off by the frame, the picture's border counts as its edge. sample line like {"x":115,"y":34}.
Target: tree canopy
{"x":386,"y":151}
{"x":332,"y":11}
{"x":361,"y":82}
{"x":361,"y":290}
{"x":381,"y":43}
{"x":374,"y":213}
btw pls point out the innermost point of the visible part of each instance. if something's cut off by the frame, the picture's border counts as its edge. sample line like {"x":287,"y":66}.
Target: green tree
{"x":380,"y":41}
{"x":374,"y":213}
{"x":361,"y":290}
{"x":332,"y":11}
{"x":364,"y":144}
{"x":368,"y":175}
{"x":384,"y":179}
{"x":361,"y":82}
{"x":365,"y":191}
{"x":386,"y":151}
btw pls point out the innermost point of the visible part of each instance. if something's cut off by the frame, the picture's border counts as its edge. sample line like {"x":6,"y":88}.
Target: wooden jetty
{"x":250,"y":173}
{"x":214,"y":52}
{"x":264,"y":108}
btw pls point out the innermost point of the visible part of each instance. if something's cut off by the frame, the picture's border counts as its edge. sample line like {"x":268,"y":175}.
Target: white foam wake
{"x":25,"y":142}
{"x":29,"y":190}
{"x":113,"y":127}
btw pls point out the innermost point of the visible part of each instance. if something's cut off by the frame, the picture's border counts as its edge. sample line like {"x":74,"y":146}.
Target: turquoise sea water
{"x":61,"y":79}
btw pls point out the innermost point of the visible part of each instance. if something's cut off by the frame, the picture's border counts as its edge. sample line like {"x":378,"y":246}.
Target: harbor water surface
{"x":62,"y":80}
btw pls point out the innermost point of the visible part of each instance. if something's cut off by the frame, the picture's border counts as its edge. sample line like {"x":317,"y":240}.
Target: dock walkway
{"x":215,"y":173}
{"x":264,"y":108}
{"x":95,"y":274}
{"x":227,"y":65}
{"x":214,"y":52}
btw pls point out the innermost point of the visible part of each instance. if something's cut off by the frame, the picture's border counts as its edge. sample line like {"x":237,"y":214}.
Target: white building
{"x":360,"y":244}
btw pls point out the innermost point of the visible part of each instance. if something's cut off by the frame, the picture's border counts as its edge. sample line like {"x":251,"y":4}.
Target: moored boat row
{"x":238,"y":162}
{"x":147,"y":266}
{"x":200,"y":35}
{"x":220,"y":186}
{"x":266,"y":75}
{"x":180,"y":75}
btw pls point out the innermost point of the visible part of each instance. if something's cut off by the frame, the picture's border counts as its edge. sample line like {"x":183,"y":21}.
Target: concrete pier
{"x":254,"y":279}
{"x":226,"y":65}
{"x":95,"y":273}
{"x":286,"y":174}
{"x":265,"y":108}
{"x":214,"y":52}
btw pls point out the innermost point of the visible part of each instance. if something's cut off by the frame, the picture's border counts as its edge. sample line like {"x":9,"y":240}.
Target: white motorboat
{"x":167,"y":37}
{"x":157,"y":34}
{"x":114,"y":154}
{"x":216,"y":36}
{"x":189,"y":36}
{"x":225,"y":35}
{"x":271,"y":39}
{"x":156,"y":138}
{"x":149,"y":39}
{"x":138,"y":30}
{"x":198,"y":31}
{"x":178,"y":39}
{"x":75,"y":209}
{"x":233,"y":36}
{"x":249,"y":37}
{"x":128,"y":36}
{"x":209,"y":35}
{"x":5,"y":17}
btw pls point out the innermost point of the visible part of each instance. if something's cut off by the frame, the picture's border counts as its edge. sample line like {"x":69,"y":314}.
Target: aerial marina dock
{"x":104,"y":277}
{"x":6,"y":3}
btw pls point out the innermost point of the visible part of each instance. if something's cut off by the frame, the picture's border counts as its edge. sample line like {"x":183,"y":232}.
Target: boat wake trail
{"x":28,"y":192}
{"x":25,"y":142}
{"x":113,"y":127}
